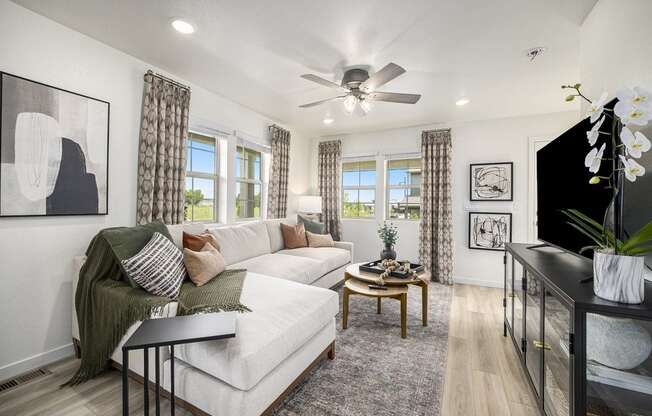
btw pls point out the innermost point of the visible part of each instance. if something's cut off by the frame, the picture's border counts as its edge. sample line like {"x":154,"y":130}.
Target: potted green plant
{"x":618,"y":268}
{"x":388,"y":233}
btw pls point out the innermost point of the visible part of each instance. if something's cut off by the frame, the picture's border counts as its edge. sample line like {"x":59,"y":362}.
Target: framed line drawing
{"x":492,"y":181}
{"x":54,"y":150}
{"x":489,"y":230}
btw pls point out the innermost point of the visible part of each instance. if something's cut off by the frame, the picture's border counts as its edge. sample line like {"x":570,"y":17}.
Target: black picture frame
{"x":3,"y":74}
{"x":472,"y":176}
{"x":471,"y":230}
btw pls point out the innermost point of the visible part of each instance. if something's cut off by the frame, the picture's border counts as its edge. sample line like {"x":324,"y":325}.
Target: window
{"x":201,"y":178}
{"x":359,"y":189}
{"x":249,"y":184}
{"x":404,"y":189}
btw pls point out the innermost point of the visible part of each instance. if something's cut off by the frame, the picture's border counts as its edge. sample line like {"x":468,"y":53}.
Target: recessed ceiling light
{"x":462,"y":101}
{"x":328,"y":120}
{"x":182,"y":26}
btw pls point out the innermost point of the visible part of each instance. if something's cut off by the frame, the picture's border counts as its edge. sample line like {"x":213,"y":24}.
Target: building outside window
{"x":201,"y":178}
{"x":359,"y":189}
{"x":404,"y":189}
{"x":249,"y":183}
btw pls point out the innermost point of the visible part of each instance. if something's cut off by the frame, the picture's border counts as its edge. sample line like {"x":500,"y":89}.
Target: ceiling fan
{"x":359,"y":88}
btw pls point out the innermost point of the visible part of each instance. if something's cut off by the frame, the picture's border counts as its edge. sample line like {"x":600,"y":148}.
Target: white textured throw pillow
{"x":158,"y":267}
{"x":319,"y":240}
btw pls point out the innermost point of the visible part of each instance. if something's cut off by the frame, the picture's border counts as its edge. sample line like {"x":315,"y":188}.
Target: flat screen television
{"x":563,"y":183}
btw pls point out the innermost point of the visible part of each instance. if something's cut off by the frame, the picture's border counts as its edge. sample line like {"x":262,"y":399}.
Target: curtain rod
{"x":163,"y":77}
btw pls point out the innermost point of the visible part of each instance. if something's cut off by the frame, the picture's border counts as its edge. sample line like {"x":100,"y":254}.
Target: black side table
{"x":164,"y":332}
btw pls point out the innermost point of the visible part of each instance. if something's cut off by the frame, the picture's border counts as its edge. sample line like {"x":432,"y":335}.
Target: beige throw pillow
{"x":294,"y":236}
{"x":203,"y":265}
{"x":319,"y":240}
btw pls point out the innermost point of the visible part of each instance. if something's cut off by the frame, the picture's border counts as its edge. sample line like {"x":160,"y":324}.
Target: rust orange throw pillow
{"x":294,"y":236}
{"x":196,"y":242}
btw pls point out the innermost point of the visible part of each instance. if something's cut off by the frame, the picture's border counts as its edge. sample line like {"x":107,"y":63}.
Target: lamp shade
{"x":310,"y":204}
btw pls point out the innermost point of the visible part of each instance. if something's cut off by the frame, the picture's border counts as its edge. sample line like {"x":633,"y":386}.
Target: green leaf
{"x":606,"y":234}
{"x":595,"y":229}
{"x":638,"y":250}
{"x":640,"y":237}
{"x":577,"y":86}
{"x":569,"y":98}
{"x":581,"y":230}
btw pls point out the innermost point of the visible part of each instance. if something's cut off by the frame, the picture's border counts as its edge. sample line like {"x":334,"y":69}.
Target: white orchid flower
{"x":632,"y":168}
{"x":635,"y":143}
{"x":593,"y":160}
{"x":593,"y":134}
{"x":632,"y":114}
{"x":638,"y":97}
{"x":597,"y":107}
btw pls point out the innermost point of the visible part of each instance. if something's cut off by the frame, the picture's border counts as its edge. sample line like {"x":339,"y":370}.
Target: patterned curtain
{"x":162,"y":151}
{"x":436,"y":226}
{"x":329,"y":171}
{"x":277,"y":202}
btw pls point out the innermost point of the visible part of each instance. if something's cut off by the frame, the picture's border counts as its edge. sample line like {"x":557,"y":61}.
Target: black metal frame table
{"x":168,"y":332}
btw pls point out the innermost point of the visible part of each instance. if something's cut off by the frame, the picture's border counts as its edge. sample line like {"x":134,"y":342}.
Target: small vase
{"x":388,"y":253}
{"x":619,"y":278}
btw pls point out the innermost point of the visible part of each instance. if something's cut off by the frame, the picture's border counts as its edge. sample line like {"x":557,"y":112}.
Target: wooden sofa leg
{"x":331,"y":352}
{"x":77,"y":347}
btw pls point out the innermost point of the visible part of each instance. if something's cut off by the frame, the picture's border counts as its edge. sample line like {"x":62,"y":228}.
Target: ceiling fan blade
{"x":382,"y":77}
{"x":316,"y":103}
{"x":394,"y":97}
{"x":324,"y":82}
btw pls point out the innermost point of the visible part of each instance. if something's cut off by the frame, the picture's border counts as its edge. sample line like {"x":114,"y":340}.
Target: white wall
{"x":480,"y":141}
{"x":616,"y":46}
{"x":36,"y":253}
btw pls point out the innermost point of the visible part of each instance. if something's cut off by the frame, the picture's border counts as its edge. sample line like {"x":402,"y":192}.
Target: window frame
{"x":389,"y":187}
{"x":360,"y":188}
{"x":215,"y":177}
{"x":239,"y":179}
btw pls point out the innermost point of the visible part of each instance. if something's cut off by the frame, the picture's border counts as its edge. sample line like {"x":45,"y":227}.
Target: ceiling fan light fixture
{"x":182,"y":26}
{"x":462,"y":101}
{"x":365,"y":105}
{"x":349,"y":103}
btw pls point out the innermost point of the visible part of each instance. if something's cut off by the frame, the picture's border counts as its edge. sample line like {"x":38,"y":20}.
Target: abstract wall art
{"x":492,"y":181}
{"x":53,"y":150}
{"x":489,"y":230}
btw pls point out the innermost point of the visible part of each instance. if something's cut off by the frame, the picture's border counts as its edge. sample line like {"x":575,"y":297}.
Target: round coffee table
{"x":356,"y":282}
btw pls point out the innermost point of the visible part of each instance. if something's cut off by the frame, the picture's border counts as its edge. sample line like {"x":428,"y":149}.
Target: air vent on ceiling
{"x":23,"y":378}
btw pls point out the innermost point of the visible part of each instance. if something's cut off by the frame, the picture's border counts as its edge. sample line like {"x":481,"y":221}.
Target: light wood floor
{"x":483,"y":376}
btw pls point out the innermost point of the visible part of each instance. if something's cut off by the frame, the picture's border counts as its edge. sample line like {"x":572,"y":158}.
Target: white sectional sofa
{"x":291,"y":326}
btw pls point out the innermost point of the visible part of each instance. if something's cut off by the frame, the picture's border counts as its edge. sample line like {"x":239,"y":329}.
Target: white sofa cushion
{"x":295,"y":268}
{"x":241,"y":242}
{"x":275,"y":235}
{"x":284,"y":316}
{"x":332,"y":257}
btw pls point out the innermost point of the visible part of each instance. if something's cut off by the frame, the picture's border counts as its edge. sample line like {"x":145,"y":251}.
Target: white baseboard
{"x":35,"y":361}
{"x":478,"y":282}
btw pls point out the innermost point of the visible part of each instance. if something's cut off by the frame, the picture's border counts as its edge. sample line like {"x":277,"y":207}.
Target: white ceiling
{"x":254,"y":51}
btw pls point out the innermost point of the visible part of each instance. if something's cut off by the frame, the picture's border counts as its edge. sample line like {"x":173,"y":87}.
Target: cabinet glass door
{"x":618,"y":366}
{"x":519,"y":301}
{"x":509,"y":289}
{"x":556,"y":356}
{"x":533,"y":333}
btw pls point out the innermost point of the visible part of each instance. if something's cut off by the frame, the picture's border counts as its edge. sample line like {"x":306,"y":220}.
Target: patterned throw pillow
{"x":158,"y":267}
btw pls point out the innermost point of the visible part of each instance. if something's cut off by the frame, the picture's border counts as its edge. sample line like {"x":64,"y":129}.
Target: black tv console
{"x":547,"y":312}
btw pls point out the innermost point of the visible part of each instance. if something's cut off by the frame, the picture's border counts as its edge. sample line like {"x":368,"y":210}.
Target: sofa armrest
{"x":346,"y":246}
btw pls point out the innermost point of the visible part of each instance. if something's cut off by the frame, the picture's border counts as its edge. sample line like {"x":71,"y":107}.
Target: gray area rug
{"x":375,"y":371}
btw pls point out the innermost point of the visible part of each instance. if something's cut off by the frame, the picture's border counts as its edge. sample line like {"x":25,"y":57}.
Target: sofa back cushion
{"x":275,"y":235}
{"x":241,"y":242}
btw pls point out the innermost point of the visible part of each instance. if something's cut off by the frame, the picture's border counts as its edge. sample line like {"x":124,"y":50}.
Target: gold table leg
{"x":379,"y":309}
{"x":404,"y":315}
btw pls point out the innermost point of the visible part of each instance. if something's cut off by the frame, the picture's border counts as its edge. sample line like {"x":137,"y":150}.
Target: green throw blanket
{"x":107,"y":304}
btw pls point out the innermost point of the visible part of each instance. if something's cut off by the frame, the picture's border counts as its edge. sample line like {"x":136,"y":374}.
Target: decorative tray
{"x":374,"y":267}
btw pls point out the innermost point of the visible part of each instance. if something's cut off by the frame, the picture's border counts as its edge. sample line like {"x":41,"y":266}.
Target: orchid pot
{"x":619,"y":278}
